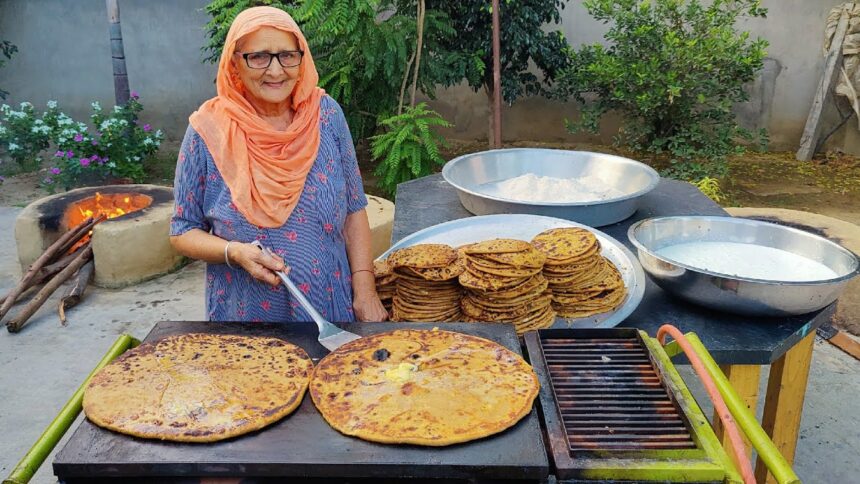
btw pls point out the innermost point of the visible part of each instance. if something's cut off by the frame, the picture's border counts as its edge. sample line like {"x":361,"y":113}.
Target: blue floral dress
{"x":311,"y":241}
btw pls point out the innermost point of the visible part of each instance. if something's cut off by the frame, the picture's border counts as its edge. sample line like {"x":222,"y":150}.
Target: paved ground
{"x":43,"y":365}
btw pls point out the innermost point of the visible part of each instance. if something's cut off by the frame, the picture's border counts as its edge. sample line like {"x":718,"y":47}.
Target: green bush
{"x":409,"y":148}
{"x":223,"y":12}
{"x":118,"y":147}
{"x":23,"y":136}
{"x":7,"y":49}
{"x":673,"y":69}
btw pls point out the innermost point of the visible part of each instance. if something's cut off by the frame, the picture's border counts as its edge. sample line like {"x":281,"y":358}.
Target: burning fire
{"x":112,"y":205}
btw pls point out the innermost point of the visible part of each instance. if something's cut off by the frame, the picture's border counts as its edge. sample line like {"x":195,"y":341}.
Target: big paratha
{"x":199,"y":387}
{"x":423,"y":387}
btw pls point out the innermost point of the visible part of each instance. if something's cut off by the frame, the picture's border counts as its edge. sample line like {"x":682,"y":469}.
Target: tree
{"x":674,"y":69}
{"x":120,"y":74}
{"x":223,"y":13}
{"x":7,"y":49}
{"x":523,"y":42}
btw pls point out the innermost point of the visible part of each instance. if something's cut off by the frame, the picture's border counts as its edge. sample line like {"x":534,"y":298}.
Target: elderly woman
{"x":271,"y":159}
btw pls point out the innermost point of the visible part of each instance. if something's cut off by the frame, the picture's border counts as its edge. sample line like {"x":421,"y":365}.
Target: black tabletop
{"x":731,"y":339}
{"x":303,"y":445}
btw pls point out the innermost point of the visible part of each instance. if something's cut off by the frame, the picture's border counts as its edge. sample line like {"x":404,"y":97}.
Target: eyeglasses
{"x":262,"y":60}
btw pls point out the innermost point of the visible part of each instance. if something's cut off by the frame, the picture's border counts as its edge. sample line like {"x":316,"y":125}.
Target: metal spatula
{"x":330,"y":336}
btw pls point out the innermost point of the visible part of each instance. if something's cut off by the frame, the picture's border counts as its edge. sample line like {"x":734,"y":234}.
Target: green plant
{"x":710,"y":187}
{"x":223,"y":12}
{"x":525,"y":42}
{"x":23,"y":136}
{"x":7,"y":49}
{"x":119,"y":146}
{"x":408,"y":148}
{"x":673,"y":69}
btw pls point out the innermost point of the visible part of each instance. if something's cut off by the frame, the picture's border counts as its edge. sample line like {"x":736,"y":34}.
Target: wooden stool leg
{"x":745,"y":380}
{"x":786,"y":389}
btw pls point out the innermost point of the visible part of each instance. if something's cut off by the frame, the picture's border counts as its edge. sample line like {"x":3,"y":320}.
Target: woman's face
{"x":274,"y":84}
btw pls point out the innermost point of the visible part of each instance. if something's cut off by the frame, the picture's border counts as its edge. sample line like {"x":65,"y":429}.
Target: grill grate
{"x":610,"y":396}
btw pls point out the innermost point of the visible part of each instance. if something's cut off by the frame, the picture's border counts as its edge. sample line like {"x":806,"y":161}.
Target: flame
{"x":111,"y":205}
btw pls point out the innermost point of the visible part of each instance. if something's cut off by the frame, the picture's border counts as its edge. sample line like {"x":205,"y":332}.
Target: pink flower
{"x":134,"y":94}
{"x":95,"y":143}
{"x":266,"y":305}
{"x":305,"y":287}
{"x":85,"y":162}
{"x":321,"y":177}
{"x":292,"y":236}
{"x":79,"y":137}
{"x":328,"y":227}
{"x":55,"y":171}
{"x":147,"y":128}
{"x":60,"y":154}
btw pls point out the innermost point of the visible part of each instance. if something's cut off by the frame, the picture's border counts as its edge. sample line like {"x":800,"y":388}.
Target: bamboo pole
{"x":37,"y":454}
{"x":767,"y":451}
{"x":21,"y":318}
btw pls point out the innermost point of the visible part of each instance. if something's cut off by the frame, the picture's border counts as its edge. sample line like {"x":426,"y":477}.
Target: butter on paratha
{"x":199,"y":387}
{"x":423,"y":387}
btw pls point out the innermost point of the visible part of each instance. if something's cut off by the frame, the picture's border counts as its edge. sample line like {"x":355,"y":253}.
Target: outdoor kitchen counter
{"x":740,"y":344}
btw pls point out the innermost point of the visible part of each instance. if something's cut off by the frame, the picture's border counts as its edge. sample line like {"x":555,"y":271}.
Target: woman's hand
{"x":365,"y":302}
{"x":369,"y":308}
{"x":256,"y":263}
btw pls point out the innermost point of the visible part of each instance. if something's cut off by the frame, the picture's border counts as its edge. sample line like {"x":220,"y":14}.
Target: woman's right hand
{"x":256,"y":263}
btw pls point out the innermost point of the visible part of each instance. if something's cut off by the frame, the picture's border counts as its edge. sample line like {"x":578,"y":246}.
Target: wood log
{"x":75,"y":291}
{"x":46,"y":273}
{"x":56,"y":250}
{"x":809,"y":139}
{"x":20,"y":320}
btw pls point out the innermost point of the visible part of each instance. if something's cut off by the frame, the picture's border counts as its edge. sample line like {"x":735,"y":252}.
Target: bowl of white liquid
{"x":742,"y":266}
{"x":594,"y":189}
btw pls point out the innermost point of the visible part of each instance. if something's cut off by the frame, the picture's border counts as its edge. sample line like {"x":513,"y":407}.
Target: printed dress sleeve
{"x":355,"y":198}
{"x":189,"y":185}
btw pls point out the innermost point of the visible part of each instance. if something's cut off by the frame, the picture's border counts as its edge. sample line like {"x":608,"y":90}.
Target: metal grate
{"x":610,"y":396}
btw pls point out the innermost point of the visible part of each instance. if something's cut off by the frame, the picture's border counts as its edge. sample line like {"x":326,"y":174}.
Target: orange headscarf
{"x":265,"y":169}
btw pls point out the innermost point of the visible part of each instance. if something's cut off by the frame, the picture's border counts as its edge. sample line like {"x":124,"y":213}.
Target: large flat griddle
{"x":303,"y":444}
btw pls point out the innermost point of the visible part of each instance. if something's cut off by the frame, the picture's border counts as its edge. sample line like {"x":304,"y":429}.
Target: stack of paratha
{"x":385,"y":285}
{"x":583,"y":282}
{"x":426,"y":285}
{"x":503,"y":283}
{"x":199,"y":387}
{"x":423,"y":387}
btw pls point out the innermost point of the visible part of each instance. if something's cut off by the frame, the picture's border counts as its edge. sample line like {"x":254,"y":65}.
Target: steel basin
{"x":468,"y":172}
{"x":741,"y":295}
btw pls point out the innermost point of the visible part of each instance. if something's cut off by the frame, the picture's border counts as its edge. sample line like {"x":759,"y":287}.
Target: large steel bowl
{"x":468,"y":173}
{"x":741,"y":295}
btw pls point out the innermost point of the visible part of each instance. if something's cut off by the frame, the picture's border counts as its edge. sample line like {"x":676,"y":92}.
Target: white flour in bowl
{"x":536,"y":188}
{"x":748,"y":260}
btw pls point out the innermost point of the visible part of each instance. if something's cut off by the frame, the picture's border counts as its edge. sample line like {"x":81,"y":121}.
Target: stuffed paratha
{"x":199,"y":387}
{"x":423,"y":387}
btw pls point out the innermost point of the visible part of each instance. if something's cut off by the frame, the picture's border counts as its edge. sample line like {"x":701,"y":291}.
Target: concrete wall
{"x":64,"y":55}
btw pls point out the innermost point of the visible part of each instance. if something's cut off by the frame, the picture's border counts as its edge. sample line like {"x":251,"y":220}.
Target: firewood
{"x":75,"y":291}
{"x":45,"y":273}
{"x":57,"y":249}
{"x":20,"y":320}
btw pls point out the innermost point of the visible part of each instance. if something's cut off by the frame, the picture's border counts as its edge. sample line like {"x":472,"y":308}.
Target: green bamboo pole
{"x":39,"y":452}
{"x":767,"y":451}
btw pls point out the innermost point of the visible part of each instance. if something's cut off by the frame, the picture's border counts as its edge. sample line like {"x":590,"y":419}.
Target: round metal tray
{"x":525,"y":227}
{"x":469,"y":173}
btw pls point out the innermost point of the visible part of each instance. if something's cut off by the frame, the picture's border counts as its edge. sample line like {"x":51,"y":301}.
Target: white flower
{"x":61,"y":140}
{"x":82,"y":127}
{"x":5,"y":109}
{"x":117,"y":109}
{"x":111,"y":164}
{"x":38,"y":122}
{"x":148,"y":141}
{"x":2,"y":131}
{"x":123,"y":122}
{"x":158,"y":133}
{"x":13,"y":147}
{"x":25,"y":105}
{"x":136,"y":158}
{"x":104,"y":126}
{"x":96,"y":106}
{"x":52,"y":104}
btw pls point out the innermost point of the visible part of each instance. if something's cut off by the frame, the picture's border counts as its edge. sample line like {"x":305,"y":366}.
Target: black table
{"x":740,"y":344}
